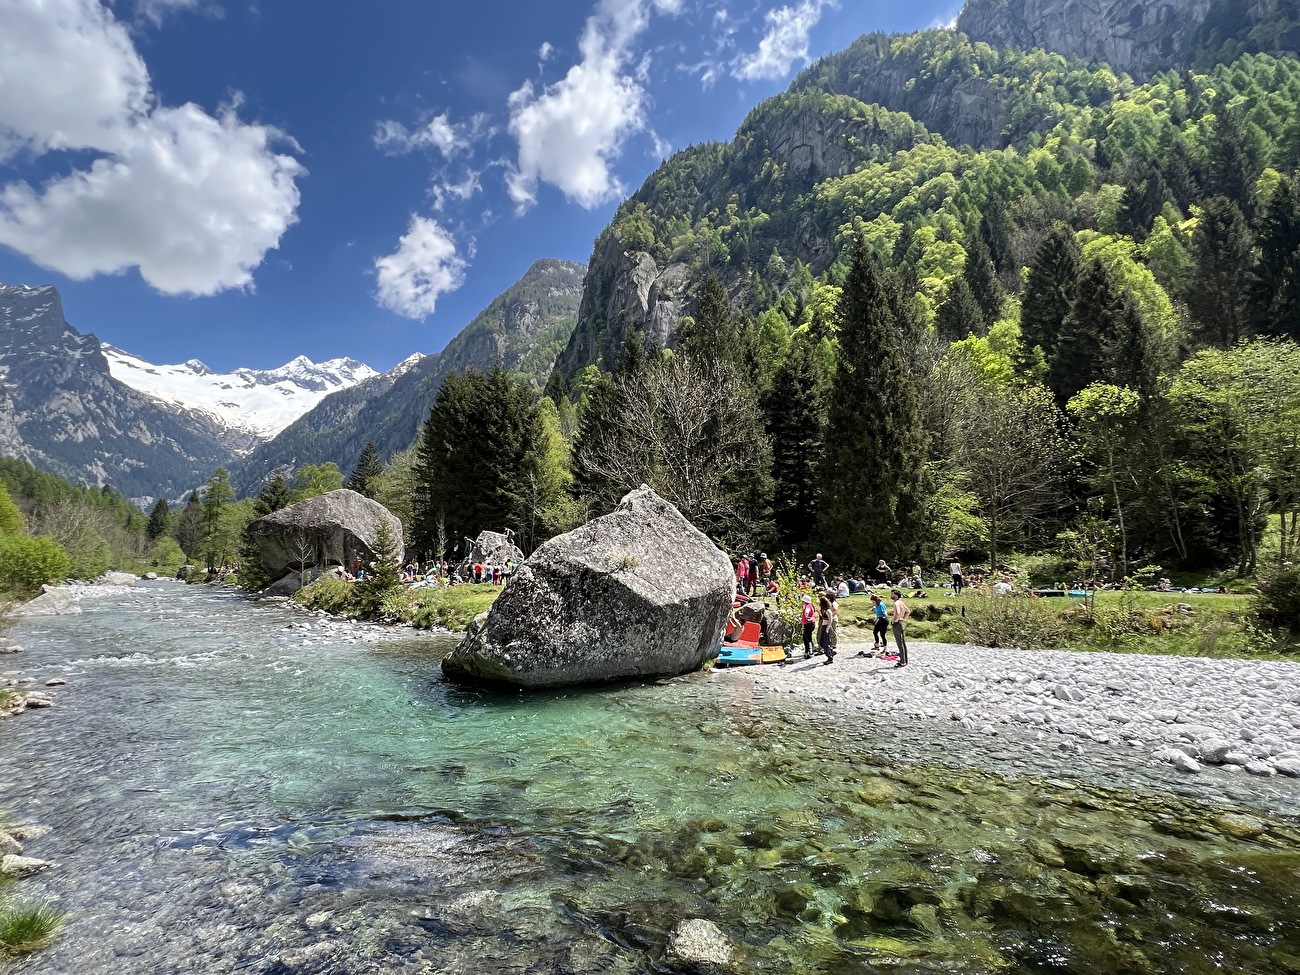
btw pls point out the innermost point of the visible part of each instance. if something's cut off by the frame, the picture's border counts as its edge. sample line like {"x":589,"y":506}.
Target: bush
{"x":27,"y":563}
{"x":328,"y":594}
{"x":994,"y":621}
{"x":1278,"y":604}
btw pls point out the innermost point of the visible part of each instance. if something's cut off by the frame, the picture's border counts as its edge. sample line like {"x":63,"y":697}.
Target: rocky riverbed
{"x":1239,"y":717}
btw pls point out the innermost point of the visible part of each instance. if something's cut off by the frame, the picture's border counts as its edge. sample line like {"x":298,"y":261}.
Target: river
{"x":230,"y":792}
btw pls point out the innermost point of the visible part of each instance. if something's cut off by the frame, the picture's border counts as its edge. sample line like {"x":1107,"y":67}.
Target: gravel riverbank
{"x":1195,"y":714}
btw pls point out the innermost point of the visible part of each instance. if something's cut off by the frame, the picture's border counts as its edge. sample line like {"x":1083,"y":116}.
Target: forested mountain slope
{"x":914,"y":137}
{"x":523,"y":329}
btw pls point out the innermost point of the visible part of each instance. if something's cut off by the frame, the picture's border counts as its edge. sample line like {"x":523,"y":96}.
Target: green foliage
{"x":313,"y":480}
{"x":795,"y":411}
{"x":220,"y":534}
{"x":26,"y":563}
{"x":1278,"y":604}
{"x":11,"y":519}
{"x":166,"y":555}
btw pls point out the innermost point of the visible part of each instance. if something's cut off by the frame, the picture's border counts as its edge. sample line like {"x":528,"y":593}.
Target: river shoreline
{"x":1197,"y":715}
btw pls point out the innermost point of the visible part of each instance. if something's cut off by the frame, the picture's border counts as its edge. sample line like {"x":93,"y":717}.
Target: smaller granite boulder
{"x":119,"y":579}
{"x":494,"y":548}
{"x":640,"y":592}
{"x":18,"y":867}
{"x":332,"y":529}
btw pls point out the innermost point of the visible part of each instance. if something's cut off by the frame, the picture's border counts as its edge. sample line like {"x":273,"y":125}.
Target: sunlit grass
{"x":26,"y":927}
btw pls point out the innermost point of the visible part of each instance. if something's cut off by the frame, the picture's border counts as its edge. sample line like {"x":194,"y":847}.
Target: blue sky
{"x":243,"y":181}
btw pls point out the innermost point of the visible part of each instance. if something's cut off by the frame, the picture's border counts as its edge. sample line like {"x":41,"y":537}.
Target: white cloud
{"x":438,"y":133}
{"x":194,"y":201}
{"x":424,"y":267}
{"x":545,"y":51}
{"x":156,"y":10}
{"x":444,"y":190}
{"x":570,"y":132}
{"x":785,"y":42}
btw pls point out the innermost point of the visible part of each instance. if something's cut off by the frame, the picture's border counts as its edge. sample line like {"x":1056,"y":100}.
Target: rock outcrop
{"x":641,"y":297}
{"x":119,"y":579}
{"x":637,"y":593}
{"x":54,"y":601}
{"x":1140,"y":37}
{"x":332,"y":529}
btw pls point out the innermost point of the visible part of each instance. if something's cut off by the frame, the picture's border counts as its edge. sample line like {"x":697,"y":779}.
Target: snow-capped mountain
{"x":261,"y":402}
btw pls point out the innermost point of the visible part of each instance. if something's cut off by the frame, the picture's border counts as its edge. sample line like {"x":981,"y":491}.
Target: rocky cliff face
{"x":1140,"y":37}
{"x":61,"y":409}
{"x":523,"y":329}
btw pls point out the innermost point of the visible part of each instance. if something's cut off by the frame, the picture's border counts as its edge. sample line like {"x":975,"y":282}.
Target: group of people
{"x":436,"y":573}
{"x":821,"y":619}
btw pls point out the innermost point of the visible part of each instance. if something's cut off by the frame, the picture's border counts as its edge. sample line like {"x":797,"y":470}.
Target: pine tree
{"x":713,"y":335}
{"x":368,"y":467}
{"x":557,"y":388}
{"x":1221,"y":264}
{"x":382,"y":576}
{"x":1134,"y":356}
{"x":795,"y":410}
{"x":1050,"y":291}
{"x":218,"y":537}
{"x":1095,"y":320}
{"x":874,"y":452}
{"x":959,"y":314}
{"x":157,"y":526}
{"x":1232,"y":172}
{"x":1278,"y":237}
{"x":982,"y":279}
{"x":1143,"y":200}
{"x":996,"y":230}
{"x":276,"y":493}
{"x":189,"y":527}
{"x":472,"y":452}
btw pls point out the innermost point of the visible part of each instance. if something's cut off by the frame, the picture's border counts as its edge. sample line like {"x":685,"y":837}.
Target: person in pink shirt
{"x":808,"y":616}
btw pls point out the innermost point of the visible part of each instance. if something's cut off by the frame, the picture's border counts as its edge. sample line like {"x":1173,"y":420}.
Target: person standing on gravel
{"x":901,"y":613}
{"x":808,"y":617}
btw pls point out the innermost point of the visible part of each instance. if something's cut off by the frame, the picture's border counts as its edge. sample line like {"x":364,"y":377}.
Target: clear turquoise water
{"x":224,"y":797}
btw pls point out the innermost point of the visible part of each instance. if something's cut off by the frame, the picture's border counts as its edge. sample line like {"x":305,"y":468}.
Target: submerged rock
{"x":53,"y":602}
{"x":331,"y":529}
{"x":699,"y":943}
{"x":639,"y":592}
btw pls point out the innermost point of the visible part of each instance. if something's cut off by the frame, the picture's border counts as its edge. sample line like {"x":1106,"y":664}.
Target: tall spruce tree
{"x":368,"y":467}
{"x":1050,"y":291}
{"x":1221,"y":266}
{"x":157,"y":526}
{"x":1143,"y":200}
{"x":1095,"y":320}
{"x":1232,"y":171}
{"x":982,"y":278}
{"x":997,"y":230}
{"x":219,"y":537}
{"x":959,"y":314}
{"x":276,"y":493}
{"x":189,"y":527}
{"x":795,"y":409}
{"x":472,"y":452}
{"x":1278,"y":237}
{"x":874,"y":453}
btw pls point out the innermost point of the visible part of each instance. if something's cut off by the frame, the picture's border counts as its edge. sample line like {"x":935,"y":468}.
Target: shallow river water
{"x":228,"y":795}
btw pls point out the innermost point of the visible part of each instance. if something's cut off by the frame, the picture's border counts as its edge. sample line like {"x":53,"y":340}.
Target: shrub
{"x":1014,"y":622}
{"x":27,"y":563}
{"x":327,"y":593}
{"x":1278,"y":604}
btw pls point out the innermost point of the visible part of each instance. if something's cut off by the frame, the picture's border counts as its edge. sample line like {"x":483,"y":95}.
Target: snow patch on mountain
{"x":261,"y":402}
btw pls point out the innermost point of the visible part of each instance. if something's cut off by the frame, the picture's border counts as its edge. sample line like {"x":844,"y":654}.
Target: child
{"x":808,"y":616}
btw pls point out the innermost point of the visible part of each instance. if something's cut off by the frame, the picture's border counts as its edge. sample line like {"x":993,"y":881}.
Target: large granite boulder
{"x":332,"y":529}
{"x":54,"y":601}
{"x":638,"y":593}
